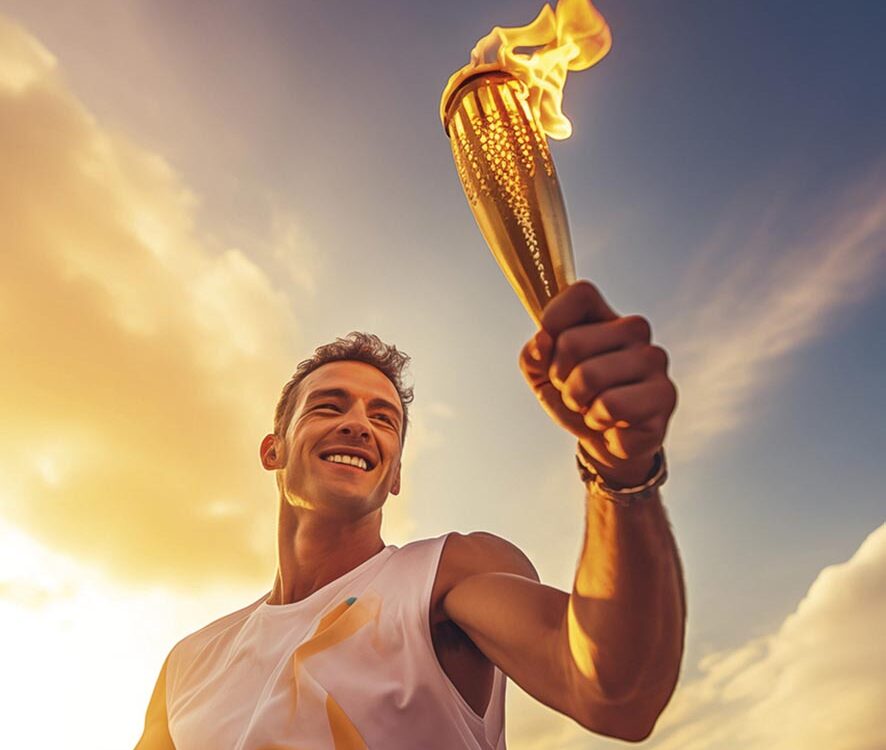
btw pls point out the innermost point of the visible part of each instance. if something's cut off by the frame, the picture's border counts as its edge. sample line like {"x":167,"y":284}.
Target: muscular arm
{"x":627,"y":612}
{"x":156,"y":733}
{"x":607,"y":655}
{"x":611,"y":660}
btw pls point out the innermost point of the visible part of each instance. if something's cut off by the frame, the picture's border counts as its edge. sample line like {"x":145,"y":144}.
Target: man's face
{"x":348,"y":409}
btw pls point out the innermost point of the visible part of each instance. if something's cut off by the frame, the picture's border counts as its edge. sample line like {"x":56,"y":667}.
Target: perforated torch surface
{"x":508,"y":176}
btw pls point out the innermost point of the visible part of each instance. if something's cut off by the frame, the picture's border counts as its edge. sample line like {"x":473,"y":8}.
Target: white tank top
{"x":351,"y":666}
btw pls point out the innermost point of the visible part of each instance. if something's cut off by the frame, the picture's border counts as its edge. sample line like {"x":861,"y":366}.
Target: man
{"x":365,"y":645}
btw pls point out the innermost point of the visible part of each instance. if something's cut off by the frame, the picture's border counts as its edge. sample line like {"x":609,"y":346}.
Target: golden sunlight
{"x":145,"y":361}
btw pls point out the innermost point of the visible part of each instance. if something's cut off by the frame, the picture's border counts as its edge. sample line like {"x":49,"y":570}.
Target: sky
{"x":196,"y":195}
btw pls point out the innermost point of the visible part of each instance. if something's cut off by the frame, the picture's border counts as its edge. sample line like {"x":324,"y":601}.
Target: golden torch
{"x":498,"y":112}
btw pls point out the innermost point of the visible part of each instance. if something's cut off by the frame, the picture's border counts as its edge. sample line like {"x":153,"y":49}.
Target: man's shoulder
{"x":199,"y":637}
{"x":480,"y":552}
{"x":472,"y":554}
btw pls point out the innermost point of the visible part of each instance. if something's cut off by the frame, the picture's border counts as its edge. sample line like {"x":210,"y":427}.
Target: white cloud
{"x":23,"y":60}
{"x":143,"y":361}
{"x":817,"y":682}
{"x":734,"y":329}
{"x":142,"y":367}
{"x":73,"y":641}
{"x":287,"y":245}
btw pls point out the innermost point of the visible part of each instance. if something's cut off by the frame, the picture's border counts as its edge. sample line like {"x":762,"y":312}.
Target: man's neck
{"x":313,"y":552}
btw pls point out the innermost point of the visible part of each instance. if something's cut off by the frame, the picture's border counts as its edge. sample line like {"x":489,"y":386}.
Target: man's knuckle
{"x":638,"y":327}
{"x":586,"y":292}
{"x":588,"y":382}
{"x":658,"y":357}
{"x":525,"y":353}
{"x":673,"y":394}
{"x":586,"y":287}
{"x":608,"y":402}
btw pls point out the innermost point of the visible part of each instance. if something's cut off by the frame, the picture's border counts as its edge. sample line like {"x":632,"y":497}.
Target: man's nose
{"x":355,"y":424}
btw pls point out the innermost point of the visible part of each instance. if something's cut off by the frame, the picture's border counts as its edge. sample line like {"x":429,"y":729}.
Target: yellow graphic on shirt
{"x":340,"y":623}
{"x":344,"y":734}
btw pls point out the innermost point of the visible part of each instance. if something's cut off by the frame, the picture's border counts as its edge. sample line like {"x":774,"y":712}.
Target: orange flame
{"x":574,"y":37}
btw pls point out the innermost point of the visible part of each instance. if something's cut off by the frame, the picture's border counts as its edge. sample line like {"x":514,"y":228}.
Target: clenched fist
{"x":598,"y":375}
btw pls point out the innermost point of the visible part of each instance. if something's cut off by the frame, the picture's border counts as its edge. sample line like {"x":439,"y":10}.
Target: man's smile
{"x":348,"y":461}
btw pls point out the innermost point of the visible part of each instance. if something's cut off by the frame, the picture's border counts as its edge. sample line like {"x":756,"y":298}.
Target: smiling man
{"x":360,"y":644}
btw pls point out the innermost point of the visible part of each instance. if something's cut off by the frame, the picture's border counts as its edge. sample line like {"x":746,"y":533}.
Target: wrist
{"x":626,"y":489}
{"x":628,"y":474}
{"x":620,"y":479}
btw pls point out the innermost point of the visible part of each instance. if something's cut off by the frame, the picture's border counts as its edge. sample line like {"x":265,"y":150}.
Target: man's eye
{"x":326,"y":406}
{"x":386,"y":418}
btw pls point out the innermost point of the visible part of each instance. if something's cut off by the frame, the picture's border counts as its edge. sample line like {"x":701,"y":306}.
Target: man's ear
{"x":395,"y":488}
{"x":272,"y":452}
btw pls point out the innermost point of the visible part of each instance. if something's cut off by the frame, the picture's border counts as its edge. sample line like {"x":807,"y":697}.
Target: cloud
{"x":23,"y":60}
{"x":141,"y":366}
{"x":102,"y":644}
{"x":734,"y":329}
{"x":815,"y":683}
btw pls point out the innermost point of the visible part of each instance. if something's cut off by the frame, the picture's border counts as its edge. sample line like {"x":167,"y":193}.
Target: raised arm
{"x":608,"y":654}
{"x":627,"y":613}
{"x":156,"y":733}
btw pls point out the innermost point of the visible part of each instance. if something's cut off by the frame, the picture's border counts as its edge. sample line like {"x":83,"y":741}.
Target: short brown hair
{"x":358,"y":347}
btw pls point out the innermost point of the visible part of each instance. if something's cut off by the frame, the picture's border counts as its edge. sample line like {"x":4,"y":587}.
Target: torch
{"x":498,"y":112}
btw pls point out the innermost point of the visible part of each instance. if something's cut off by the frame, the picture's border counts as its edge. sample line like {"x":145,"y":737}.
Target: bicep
{"x":516,"y":622}
{"x":156,"y":733}
{"x":520,"y":624}
{"x":513,"y":618}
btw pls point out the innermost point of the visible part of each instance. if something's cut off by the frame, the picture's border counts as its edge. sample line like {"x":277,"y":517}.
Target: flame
{"x":574,"y":37}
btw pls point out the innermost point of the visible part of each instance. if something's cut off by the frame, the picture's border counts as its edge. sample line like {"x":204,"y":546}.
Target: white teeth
{"x":338,"y":458}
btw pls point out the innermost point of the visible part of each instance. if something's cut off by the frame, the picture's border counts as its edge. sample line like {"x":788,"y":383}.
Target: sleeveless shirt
{"x":350,"y":667}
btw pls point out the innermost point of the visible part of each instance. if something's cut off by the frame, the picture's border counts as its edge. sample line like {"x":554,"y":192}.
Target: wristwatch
{"x":626,"y":496}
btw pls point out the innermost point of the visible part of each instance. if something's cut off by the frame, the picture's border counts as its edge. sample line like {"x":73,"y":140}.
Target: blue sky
{"x":725,"y":179}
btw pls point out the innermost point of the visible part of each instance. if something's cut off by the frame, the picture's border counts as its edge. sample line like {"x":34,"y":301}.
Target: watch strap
{"x":626,"y":496}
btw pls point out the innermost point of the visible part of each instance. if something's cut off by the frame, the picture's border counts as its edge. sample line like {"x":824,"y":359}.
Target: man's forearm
{"x":627,"y":610}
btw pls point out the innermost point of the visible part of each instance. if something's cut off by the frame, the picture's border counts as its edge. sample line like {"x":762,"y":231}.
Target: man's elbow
{"x":629,"y":728}
{"x":630,"y":718}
